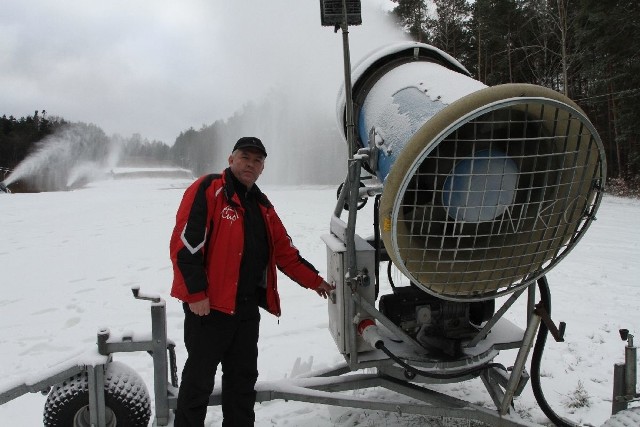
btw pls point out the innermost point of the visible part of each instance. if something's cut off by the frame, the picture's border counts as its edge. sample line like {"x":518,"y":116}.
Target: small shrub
{"x":579,"y":398}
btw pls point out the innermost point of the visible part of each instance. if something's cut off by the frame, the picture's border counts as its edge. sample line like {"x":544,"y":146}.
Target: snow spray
{"x":68,"y":159}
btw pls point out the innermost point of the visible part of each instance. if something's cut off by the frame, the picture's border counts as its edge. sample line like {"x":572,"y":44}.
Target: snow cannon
{"x":4,"y":188}
{"x":485,"y":188}
{"x":479,"y":192}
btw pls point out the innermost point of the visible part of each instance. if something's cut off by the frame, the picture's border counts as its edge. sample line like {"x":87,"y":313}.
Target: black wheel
{"x":126,"y":399}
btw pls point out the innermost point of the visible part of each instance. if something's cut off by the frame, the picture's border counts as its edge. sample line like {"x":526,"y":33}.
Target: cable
{"x":536,"y":357}
{"x":393,"y":285}
{"x":376,"y":240}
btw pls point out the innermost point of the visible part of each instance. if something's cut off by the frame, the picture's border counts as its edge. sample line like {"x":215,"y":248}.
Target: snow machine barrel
{"x":4,"y":188}
{"x":484,"y":188}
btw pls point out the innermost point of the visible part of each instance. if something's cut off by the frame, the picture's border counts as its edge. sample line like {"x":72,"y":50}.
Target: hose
{"x":376,"y":241}
{"x":393,"y":285}
{"x":536,"y":357}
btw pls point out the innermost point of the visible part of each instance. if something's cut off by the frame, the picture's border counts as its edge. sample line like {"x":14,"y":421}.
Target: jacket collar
{"x":230,"y":182}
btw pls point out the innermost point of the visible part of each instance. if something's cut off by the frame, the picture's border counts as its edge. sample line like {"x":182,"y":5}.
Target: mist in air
{"x":68,"y":159}
{"x":295,"y":73}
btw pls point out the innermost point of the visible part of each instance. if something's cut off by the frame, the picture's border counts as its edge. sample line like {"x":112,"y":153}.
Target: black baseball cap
{"x":250,"y":142}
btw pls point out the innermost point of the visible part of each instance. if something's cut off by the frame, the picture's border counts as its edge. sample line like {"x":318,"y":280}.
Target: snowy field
{"x":69,"y":259}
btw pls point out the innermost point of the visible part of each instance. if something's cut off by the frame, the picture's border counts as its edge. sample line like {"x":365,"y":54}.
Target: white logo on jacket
{"x":229,"y":213}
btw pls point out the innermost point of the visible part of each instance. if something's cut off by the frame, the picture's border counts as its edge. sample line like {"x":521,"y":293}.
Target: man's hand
{"x":201,"y":308}
{"x":324,"y":289}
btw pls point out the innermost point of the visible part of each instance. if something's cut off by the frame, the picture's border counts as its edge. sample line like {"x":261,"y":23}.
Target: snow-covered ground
{"x":69,"y":259}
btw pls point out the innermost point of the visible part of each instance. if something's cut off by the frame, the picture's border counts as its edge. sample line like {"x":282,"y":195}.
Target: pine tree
{"x":496,"y":26}
{"x":412,"y":16}
{"x":610,"y":33}
{"x":449,"y":29}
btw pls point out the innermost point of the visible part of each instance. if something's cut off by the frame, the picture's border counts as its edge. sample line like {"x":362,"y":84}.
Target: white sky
{"x":159,"y":67}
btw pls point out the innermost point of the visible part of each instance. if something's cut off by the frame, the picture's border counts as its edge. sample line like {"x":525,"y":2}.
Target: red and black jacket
{"x":207,"y":245}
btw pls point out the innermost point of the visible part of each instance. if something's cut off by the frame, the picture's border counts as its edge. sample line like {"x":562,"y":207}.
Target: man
{"x":225,"y":247}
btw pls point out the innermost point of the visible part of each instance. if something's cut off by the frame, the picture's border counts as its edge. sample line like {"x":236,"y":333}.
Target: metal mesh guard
{"x":499,"y":200}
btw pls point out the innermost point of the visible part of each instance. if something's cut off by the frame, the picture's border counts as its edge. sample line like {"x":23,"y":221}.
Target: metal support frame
{"x":160,"y":366}
{"x":521,"y":359}
{"x":164,"y":394}
{"x":324,"y":388}
{"x":97,"y":409}
{"x":617,"y":403}
{"x":625,"y":376}
{"x":42,"y":385}
{"x":630,"y":361}
{"x":350,"y":190}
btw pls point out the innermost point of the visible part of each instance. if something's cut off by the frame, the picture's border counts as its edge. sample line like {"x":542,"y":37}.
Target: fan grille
{"x":497,"y":199}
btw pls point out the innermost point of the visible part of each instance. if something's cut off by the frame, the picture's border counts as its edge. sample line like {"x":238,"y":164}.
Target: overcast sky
{"x":158,"y":67}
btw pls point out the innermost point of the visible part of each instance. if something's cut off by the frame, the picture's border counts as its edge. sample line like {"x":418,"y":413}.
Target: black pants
{"x":219,"y":338}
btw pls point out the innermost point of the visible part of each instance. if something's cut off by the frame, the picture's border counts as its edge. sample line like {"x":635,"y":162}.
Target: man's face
{"x":246,"y":165}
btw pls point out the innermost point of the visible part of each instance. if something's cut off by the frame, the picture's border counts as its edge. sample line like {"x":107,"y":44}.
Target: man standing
{"x":225,"y":247}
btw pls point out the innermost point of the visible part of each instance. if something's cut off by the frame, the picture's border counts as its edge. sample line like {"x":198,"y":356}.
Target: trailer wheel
{"x":126,"y":399}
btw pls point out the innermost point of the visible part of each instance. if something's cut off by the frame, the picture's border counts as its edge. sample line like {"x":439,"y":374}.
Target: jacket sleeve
{"x":189,"y":242}
{"x":289,"y":260}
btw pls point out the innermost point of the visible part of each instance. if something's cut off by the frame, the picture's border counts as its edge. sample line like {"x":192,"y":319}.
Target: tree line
{"x":21,"y":136}
{"x":45,"y":153}
{"x":17,"y":136}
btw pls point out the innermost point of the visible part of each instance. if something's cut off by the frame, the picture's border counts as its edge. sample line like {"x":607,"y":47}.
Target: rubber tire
{"x":126,"y":398}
